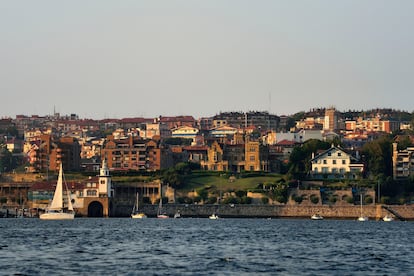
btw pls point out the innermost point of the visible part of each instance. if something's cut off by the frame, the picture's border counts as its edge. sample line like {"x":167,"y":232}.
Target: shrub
{"x":368,"y":200}
{"x":230,"y":200}
{"x":241,"y":193}
{"x":349,"y":199}
{"x":246,"y":200}
{"x":265,"y":200}
{"x":314,"y":199}
{"x":297,"y":199}
{"x":281,"y":199}
{"x":332,"y":199}
{"x":385,"y":200}
{"x":212,"y":200}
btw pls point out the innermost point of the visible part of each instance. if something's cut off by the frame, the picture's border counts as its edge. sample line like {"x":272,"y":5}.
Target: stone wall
{"x":274,"y":211}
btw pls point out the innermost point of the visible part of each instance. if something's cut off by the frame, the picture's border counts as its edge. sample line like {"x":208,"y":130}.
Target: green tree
{"x":299,"y":160}
{"x":7,"y":161}
{"x":404,"y":142}
{"x":172,"y":178}
{"x":378,"y":156}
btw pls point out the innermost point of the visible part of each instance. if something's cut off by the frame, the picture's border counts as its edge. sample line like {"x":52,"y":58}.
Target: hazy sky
{"x":102,"y":59}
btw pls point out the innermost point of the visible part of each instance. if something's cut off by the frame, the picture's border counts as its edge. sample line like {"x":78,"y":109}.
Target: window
{"x":339,"y":154}
{"x":334,"y":162}
{"x":329,"y":154}
{"x":324,"y":161}
{"x":91,"y":192}
{"x":343,"y":162}
{"x":252,"y":158}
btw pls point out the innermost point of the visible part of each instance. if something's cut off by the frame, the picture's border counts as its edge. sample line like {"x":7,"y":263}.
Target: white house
{"x":185,"y":132}
{"x":335,"y":163}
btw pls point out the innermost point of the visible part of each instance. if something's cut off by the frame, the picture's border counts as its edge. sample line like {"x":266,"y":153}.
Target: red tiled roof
{"x":177,"y":118}
{"x":286,"y":142}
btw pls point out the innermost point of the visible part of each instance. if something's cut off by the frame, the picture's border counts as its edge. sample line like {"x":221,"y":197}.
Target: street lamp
{"x":379,"y":196}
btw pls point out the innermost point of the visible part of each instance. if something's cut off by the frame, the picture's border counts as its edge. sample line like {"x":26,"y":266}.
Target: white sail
{"x":57,"y":202}
{"x":56,"y":210}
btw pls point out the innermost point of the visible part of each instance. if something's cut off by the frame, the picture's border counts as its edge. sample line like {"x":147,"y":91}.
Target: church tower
{"x":105,"y":183}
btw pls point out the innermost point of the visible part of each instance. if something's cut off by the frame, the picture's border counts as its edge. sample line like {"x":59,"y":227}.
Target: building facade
{"x":335,"y":163}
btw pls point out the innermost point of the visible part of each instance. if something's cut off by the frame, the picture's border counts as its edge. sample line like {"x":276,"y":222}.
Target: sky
{"x":117,"y":59}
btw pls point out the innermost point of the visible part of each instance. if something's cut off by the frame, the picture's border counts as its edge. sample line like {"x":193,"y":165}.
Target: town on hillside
{"x":321,"y":145}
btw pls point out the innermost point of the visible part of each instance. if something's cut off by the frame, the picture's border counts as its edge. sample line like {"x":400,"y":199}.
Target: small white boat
{"x":213,"y":216}
{"x":160,"y":214}
{"x":56,"y":210}
{"x":135,"y":213}
{"x":177,"y":214}
{"x":387,"y":218}
{"x":139,"y":216}
{"x":361,"y":217}
{"x":316,"y":217}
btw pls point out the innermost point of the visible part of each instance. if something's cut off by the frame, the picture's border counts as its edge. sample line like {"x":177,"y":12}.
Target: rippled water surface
{"x":122,"y":246}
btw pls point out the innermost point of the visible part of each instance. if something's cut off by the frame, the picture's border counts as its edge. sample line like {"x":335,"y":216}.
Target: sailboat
{"x":362,"y":217}
{"x":160,"y":213}
{"x":56,"y":209}
{"x":135,"y":211}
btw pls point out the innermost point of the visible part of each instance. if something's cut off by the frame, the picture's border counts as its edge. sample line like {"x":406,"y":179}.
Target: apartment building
{"x":402,"y":162}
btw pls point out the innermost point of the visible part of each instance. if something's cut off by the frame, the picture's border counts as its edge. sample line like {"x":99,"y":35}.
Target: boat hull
{"x":57,"y":216}
{"x":139,"y":216}
{"x":316,"y":217}
{"x":362,"y":219}
{"x":213,"y":217}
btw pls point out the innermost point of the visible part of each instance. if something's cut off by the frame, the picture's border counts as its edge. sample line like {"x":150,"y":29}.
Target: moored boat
{"x":316,"y":217}
{"x":213,"y":216}
{"x":387,"y":218}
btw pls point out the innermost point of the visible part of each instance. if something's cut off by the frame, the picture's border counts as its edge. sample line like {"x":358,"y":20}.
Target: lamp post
{"x":379,"y":196}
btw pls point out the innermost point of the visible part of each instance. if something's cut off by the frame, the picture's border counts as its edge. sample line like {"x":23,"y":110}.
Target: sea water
{"x":199,"y":246}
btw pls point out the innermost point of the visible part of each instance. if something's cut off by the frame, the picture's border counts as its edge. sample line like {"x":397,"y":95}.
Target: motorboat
{"x":387,"y":218}
{"x":213,"y":216}
{"x":316,"y":217}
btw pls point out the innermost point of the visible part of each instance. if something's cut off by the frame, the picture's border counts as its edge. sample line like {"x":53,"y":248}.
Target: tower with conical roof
{"x":105,"y":182}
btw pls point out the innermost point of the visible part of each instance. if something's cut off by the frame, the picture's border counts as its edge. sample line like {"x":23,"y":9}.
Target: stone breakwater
{"x":275,"y":211}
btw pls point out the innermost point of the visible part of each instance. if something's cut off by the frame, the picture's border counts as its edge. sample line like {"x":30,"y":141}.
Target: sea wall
{"x":274,"y":211}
